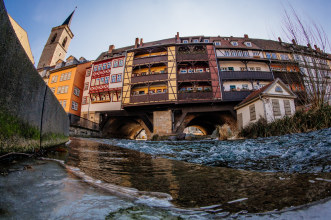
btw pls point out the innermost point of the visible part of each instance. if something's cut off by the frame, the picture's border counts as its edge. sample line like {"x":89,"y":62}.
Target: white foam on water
{"x":238,"y":200}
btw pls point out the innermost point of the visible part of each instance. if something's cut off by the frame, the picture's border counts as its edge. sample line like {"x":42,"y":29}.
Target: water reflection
{"x":193,"y":185}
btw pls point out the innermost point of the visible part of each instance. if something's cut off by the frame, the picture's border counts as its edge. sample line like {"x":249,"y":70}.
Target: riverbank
{"x":301,"y":121}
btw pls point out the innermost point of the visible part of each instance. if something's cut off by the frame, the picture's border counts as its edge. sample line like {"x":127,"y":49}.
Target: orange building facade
{"x":67,"y":83}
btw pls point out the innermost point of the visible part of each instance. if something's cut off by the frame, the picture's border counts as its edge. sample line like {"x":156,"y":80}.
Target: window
{"x":141,"y":92}
{"x":185,"y":41}
{"x":106,"y":79}
{"x":53,"y":89}
{"x":119,"y":78}
{"x":273,"y":56}
{"x":97,"y":81}
{"x":54,"y":79}
{"x":240,"y":53}
{"x":268,"y":55}
{"x":59,"y":89}
{"x":93,"y":82}
{"x":198,"y":70}
{"x":224,"y":69}
{"x":115,"y":63}
{"x":95,"y":68}
{"x":206,"y":40}
{"x":64,"y":42}
{"x":64,"y":103}
{"x":159,"y":91}
{"x":252,"y":112}
{"x":54,"y":38}
{"x":84,"y":101}
{"x":230,"y":68}
{"x":258,"y":68}
{"x":232,"y":87}
{"x":69,"y":76}
{"x":74,"y":105}
{"x":234,"y":43}
{"x":275,"y":107}
{"x":217,"y":43}
{"x":86,"y":86}
{"x":120,"y":63}
{"x":284,"y":57}
{"x":245,"y":86}
{"x":226,"y":53}
{"x":287,"y":107}
{"x":102,"y":80}
{"x":246,"y":54}
{"x":248,"y":44}
{"x":278,"y":89}
{"x":113,"y":78}
{"x":88,"y":73}
{"x":165,"y":90}
{"x":233,"y":53}
{"x":108,"y":65}
{"x":195,"y":41}
{"x":251,"y":69}
{"x":61,"y":78}
{"x":152,"y":91}
{"x":62,"y":89}
{"x":243,"y":69}
{"x":104,"y":66}
{"x":76,"y":91}
{"x":255,"y":53}
{"x":183,"y":71}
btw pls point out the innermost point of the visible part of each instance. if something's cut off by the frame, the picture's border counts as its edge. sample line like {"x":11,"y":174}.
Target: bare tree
{"x":312,"y":62}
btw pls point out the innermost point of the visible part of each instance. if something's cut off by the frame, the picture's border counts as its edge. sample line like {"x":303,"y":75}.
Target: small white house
{"x":271,"y":102}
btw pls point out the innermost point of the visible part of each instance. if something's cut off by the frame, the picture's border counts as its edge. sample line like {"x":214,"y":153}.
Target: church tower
{"x":57,"y":44}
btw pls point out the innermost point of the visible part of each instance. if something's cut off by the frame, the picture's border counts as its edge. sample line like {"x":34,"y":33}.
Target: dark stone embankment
{"x":30,"y":115}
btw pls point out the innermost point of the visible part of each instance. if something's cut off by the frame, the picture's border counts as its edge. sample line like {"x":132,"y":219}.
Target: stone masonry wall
{"x":25,"y":97}
{"x":162,"y":121}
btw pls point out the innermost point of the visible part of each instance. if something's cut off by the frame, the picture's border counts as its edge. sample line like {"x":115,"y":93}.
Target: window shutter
{"x":275,"y":107}
{"x":287,"y":107}
{"x":252,"y":112}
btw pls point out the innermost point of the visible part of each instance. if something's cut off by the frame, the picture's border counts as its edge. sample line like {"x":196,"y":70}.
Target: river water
{"x":285,"y":177}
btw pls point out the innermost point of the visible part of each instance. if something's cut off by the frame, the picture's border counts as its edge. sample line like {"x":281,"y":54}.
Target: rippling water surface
{"x":98,"y":178}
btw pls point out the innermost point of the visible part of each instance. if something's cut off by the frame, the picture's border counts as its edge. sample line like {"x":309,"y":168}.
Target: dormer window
{"x":278,"y":89}
{"x":226,"y":38}
{"x":195,"y":41}
{"x":95,"y":68}
{"x":185,"y":41}
{"x":206,"y":40}
{"x":217,"y":43}
{"x":248,"y":44}
{"x":234,"y":43}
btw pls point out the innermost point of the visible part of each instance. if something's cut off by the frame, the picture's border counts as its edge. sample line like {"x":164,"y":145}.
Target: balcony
{"x":235,"y":95}
{"x":288,"y":78}
{"x":150,"y":60}
{"x":157,"y":97}
{"x":189,"y":96}
{"x":192,"y":56}
{"x":149,"y":78}
{"x":246,"y":75}
{"x":194,"y":77}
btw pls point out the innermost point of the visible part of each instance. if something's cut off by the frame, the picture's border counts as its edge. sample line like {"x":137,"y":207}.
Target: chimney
{"x":294,"y":42}
{"x":141,"y":42}
{"x":246,"y":36}
{"x":309,"y":46}
{"x":280,"y":40}
{"x":111,"y":48}
{"x":316,"y":48}
{"x":177,"y":38}
{"x":136,"y":44}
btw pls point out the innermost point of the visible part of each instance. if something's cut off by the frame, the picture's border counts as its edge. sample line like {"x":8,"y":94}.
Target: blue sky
{"x":99,"y":23}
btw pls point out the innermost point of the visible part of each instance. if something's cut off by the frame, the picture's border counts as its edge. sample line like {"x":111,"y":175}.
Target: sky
{"x":99,"y":23}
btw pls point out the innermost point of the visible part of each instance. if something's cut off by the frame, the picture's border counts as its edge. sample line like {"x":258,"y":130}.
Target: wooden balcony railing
{"x":192,"y":56}
{"x":148,"y":60}
{"x":189,"y":96}
{"x":146,"y":98}
{"x":149,"y":78}
{"x":235,"y":95}
{"x":204,"y":76}
{"x":246,"y":75}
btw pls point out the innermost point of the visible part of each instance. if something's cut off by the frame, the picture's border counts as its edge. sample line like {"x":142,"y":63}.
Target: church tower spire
{"x":57,"y":44}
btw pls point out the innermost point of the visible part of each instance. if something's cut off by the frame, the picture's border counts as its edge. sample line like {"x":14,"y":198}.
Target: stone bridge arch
{"x":124,"y":127}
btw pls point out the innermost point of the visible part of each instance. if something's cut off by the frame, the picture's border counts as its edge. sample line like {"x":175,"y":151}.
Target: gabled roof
{"x":263,"y":91}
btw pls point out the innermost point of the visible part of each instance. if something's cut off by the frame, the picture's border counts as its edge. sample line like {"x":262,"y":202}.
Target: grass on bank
{"x":301,"y":121}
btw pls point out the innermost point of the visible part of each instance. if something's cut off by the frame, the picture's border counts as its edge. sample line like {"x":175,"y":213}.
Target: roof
{"x":262,"y":91}
{"x":269,"y":45}
{"x":68,"y":20}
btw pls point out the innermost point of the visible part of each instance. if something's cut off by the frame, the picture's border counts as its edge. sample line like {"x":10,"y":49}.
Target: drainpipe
{"x":265,"y":111}
{"x":218,"y":72}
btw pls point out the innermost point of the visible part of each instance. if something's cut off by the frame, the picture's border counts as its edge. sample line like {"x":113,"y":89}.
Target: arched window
{"x":64,"y":42}
{"x":54,"y":38}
